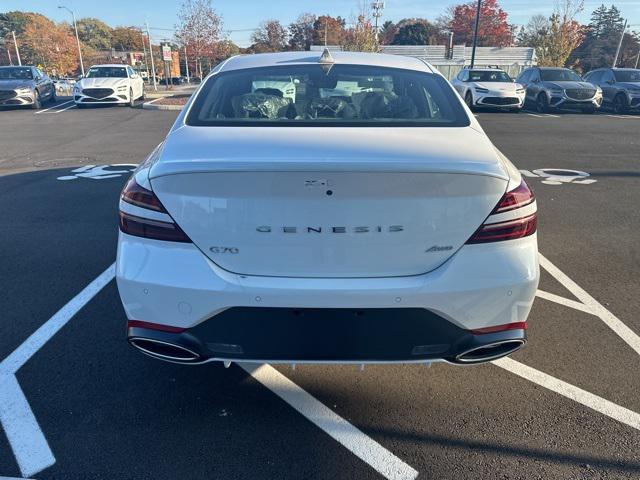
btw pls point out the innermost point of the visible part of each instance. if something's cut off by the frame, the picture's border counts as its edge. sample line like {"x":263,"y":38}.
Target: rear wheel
{"x":53,"y":96}
{"x":132,"y":101}
{"x":37,"y":102}
{"x":542,"y":103}
{"x":620,"y":103}
{"x":468,"y":99}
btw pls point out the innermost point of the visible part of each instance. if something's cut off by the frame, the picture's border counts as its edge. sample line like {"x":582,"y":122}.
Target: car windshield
{"x":315,"y":95}
{"x":488,"y":76}
{"x":107,"y":72}
{"x":559,"y":75}
{"x":16,"y":73}
{"x":627,"y":75}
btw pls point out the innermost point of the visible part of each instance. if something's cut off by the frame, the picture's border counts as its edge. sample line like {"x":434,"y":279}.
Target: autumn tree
{"x":199,"y":31}
{"x":417,"y":31}
{"x":387,"y":33}
{"x":51,"y":46}
{"x":271,"y":36}
{"x":361,"y":37}
{"x":126,"y":38}
{"x":94,"y":33}
{"x":329,"y":30}
{"x":493,"y":28}
{"x":301,"y":32}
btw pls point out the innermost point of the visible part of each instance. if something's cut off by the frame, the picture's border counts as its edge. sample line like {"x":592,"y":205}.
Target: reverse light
{"x":140,"y":226}
{"x":495,"y":229}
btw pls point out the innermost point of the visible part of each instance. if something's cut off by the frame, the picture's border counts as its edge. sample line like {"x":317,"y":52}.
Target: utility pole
{"x":637,"y":59}
{"x":377,"y":8}
{"x":153,"y":67}
{"x":186,"y":62}
{"x":144,"y":50}
{"x":9,"y":55}
{"x":615,"y":60}
{"x":475,"y":35}
{"x":15,"y":44}
{"x":75,"y":27}
{"x":325,"y":31}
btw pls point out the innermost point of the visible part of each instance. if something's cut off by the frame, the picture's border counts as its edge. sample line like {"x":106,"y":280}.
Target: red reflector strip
{"x":154,"y":326}
{"x":154,"y":229}
{"x":501,"y":328}
{"x":496,"y":232}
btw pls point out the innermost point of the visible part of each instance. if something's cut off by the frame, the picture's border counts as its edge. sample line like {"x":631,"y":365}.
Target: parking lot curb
{"x":151,"y":106}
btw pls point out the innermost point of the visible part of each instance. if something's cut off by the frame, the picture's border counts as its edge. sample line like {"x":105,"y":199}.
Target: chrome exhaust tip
{"x":164,"y":350}
{"x":490,"y":351}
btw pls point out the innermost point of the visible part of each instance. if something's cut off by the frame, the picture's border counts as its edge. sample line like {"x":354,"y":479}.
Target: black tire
{"x":468,"y":99}
{"x":37,"y":101}
{"x":620,"y":104}
{"x":542,"y":103}
{"x":53,"y":98}
{"x":132,"y":101}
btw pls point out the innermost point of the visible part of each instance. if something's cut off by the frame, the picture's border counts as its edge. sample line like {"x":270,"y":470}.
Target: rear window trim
{"x":200,"y":96}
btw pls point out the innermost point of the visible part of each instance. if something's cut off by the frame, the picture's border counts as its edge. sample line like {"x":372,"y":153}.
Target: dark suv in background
{"x":562,"y":88}
{"x":620,"y":87}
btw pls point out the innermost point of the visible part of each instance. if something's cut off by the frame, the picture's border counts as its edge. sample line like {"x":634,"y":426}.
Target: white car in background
{"x":489,"y":88}
{"x":109,"y":84}
{"x":319,"y":208}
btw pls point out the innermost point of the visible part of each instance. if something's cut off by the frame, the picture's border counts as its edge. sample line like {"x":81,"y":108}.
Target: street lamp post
{"x":75,"y":27}
{"x":475,"y":35}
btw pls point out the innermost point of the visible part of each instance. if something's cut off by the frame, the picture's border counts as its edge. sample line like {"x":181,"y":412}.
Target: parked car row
{"x":548,"y":88}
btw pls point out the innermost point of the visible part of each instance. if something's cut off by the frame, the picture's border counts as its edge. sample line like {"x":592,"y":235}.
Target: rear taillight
{"x":139,"y":196}
{"x":520,"y":219}
{"x":136,"y":224}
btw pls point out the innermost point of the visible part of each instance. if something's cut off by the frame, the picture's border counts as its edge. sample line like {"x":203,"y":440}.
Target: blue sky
{"x":247,"y":14}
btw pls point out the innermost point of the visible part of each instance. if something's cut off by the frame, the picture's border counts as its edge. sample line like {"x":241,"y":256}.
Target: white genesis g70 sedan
{"x":335,"y":207}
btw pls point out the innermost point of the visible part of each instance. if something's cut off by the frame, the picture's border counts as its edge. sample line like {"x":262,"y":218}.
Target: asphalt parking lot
{"x":77,"y":402}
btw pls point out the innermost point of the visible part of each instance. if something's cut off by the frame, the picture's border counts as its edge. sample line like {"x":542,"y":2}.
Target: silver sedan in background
{"x":25,"y":85}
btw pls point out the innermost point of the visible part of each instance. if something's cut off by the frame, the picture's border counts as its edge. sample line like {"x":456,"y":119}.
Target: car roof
{"x":552,"y":68}
{"x":17,"y":66}
{"x":240,"y":62}
{"x":110,"y":65}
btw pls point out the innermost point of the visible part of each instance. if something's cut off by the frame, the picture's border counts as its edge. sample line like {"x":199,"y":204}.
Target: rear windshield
{"x":17,"y":73}
{"x":488,"y":76}
{"x":315,"y":95}
{"x":559,"y":75}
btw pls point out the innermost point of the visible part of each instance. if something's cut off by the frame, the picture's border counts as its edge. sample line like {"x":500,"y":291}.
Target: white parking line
{"x":361,"y":445}
{"x":42,"y":335}
{"x":625,"y":117}
{"x":27,"y":441}
{"x":542,"y":115}
{"x":564,"y":301}
{"x":594,"y":402}
{"x":50,"y":108}
{"x":65,"y":109}
{"x":613,"y":322}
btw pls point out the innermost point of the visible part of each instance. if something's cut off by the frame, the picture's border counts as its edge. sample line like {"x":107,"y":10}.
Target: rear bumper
{"x":280,"y":335}
{"x":176,"y":285}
